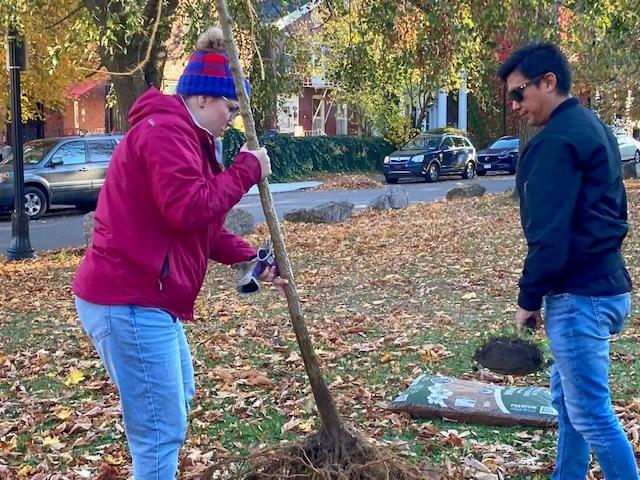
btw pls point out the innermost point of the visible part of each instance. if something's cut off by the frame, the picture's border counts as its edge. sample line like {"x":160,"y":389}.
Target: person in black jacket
{"x":573,"y":210}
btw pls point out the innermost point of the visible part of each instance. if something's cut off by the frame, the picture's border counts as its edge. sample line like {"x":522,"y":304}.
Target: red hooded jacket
{"x":161,"y":212}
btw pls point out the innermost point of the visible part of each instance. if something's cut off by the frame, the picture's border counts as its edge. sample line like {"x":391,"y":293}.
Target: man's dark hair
{"x":536,"y":59}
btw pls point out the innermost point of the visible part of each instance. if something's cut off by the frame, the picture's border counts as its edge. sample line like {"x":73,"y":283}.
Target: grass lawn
{"x":377,"y":291}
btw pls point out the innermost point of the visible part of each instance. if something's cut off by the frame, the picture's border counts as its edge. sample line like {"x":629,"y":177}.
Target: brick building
{"x":85,"y":110}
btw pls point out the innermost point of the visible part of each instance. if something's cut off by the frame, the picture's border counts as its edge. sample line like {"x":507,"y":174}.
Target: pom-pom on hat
{"x":208,"y":72}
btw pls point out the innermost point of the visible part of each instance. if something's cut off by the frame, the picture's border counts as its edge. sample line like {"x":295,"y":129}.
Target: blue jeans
{"x":579,"y":328}
{"x":147,"y":356}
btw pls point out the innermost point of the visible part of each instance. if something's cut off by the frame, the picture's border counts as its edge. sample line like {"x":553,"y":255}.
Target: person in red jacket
{"x":159,"y":220}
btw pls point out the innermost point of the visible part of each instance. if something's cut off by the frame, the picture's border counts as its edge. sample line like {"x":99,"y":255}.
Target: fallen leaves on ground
{"x":348,"y":181}
{"x":387,"y":296}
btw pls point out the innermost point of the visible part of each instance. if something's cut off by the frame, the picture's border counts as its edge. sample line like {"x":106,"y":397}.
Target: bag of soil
{"x":476,"y":402}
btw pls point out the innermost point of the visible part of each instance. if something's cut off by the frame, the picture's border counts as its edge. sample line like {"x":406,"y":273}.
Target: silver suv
{"x":64,"y":170}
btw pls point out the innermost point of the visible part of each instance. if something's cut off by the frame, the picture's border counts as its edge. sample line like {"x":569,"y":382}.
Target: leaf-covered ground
{"x":348,"y":181}
{"x":386,"y":296}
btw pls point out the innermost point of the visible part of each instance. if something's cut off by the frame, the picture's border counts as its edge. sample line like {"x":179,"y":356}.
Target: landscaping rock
{"x":395,"y":197}
{"x":629,"y":170}
{"x":330,"y":212}
{"x":240,"y":222}
{"x":468,"y":191}
{"x":87,"y":228}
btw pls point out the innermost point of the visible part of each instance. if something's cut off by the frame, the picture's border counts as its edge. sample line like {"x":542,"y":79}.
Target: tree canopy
{"x":387,"y":57}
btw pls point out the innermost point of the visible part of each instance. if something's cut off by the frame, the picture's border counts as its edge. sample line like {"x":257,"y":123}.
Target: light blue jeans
{"x":147,"y":356}
{"x":579,"y":328}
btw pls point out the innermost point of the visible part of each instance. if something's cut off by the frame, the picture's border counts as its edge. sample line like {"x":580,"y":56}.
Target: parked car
{"x":65,"y":170}
{"x":629,"y":148}
{"x":502,"y":155}
{"x":428,"y":156}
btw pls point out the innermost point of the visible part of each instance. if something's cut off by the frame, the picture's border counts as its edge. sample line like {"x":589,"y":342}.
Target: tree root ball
{"x":321,"y":457}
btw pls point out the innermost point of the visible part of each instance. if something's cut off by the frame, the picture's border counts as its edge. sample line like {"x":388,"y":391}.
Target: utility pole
{"x":20,"y":246}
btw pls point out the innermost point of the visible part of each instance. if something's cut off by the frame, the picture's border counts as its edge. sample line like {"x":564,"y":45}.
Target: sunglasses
{"x":517,"y":94}
{"x":233,"y":108}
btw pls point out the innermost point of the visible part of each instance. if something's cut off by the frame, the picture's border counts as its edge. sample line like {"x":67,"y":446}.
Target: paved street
{"x":63,"y":226}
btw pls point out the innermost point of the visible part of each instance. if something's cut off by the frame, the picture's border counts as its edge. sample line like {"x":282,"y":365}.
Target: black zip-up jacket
{"x":573,"y":209}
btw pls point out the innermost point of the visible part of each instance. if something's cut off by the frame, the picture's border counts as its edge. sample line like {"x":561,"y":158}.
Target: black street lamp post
{"x":20,"y":246}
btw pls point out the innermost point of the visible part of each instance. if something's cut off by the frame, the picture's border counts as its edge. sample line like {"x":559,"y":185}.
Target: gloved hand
{"x":249,"y":272}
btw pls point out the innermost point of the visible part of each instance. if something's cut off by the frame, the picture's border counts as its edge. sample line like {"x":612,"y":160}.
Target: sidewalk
{"x":285,"y":187}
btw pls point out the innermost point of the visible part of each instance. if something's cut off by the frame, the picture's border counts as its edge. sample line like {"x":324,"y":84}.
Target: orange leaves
{"x":431,"y":353}
{"x":347,"y":182}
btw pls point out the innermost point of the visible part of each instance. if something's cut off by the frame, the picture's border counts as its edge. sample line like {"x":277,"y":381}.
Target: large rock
{"x":395,"y":197}
{"x":240,"y":222}
{"x":468,"y":191}
{"x":87,"y":228}
{"x":330,"y":212}
{"x":629,"y":170}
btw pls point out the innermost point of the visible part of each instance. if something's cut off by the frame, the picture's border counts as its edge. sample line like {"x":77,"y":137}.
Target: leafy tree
{"x":389,"y":57}
{"x":131,"y":41}
{"x":56,"y":32}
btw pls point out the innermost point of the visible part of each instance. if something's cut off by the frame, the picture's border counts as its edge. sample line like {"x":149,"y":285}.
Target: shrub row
{"x":299,"y":157}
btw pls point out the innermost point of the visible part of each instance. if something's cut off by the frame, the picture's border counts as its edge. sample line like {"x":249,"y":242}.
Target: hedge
{"x":300,"y":157}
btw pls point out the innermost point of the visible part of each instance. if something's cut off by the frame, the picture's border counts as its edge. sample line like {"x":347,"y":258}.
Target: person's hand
{"x":263,"y":158}
{"x":528,"y":318}
{"x":269,"y":276}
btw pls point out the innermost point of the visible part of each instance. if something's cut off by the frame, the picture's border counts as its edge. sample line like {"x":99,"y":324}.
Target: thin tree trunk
{"x":331,"y":421}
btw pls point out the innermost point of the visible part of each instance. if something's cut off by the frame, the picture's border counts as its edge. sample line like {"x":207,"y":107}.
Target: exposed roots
{"x":320,"y":457}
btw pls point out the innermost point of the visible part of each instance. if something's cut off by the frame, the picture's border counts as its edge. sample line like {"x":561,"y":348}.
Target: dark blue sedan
{"x":502,"y":155}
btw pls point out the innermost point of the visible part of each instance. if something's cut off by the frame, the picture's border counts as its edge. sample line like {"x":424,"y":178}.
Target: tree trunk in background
{"x":526,"y":133}
{"x":129,"y":87}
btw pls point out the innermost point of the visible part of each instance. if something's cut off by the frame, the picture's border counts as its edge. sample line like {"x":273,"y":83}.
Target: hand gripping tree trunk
{"x":332,"y":424}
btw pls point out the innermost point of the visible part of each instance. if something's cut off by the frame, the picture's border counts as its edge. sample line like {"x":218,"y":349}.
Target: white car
{"x":629,"y":148}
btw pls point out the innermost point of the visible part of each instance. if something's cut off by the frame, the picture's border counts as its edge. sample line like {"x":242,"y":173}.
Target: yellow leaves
{"x":302,"y":425}
{"x":307,"y":426}
{"x":62,"y":413}
{"x":111,"y":460}
{"x":53,"y":442}
{"x":75,"y":376}
{"x":387,"y":357}
{"x":26,"y":470}
{"x":469,"y":296}
{"x":50,"y":441}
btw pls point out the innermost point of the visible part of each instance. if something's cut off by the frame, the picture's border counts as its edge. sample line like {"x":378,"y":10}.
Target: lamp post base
{"x":20,"y":246}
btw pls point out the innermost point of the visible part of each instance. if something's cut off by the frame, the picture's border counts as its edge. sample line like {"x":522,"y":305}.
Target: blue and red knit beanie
{"x":208,"y":73}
